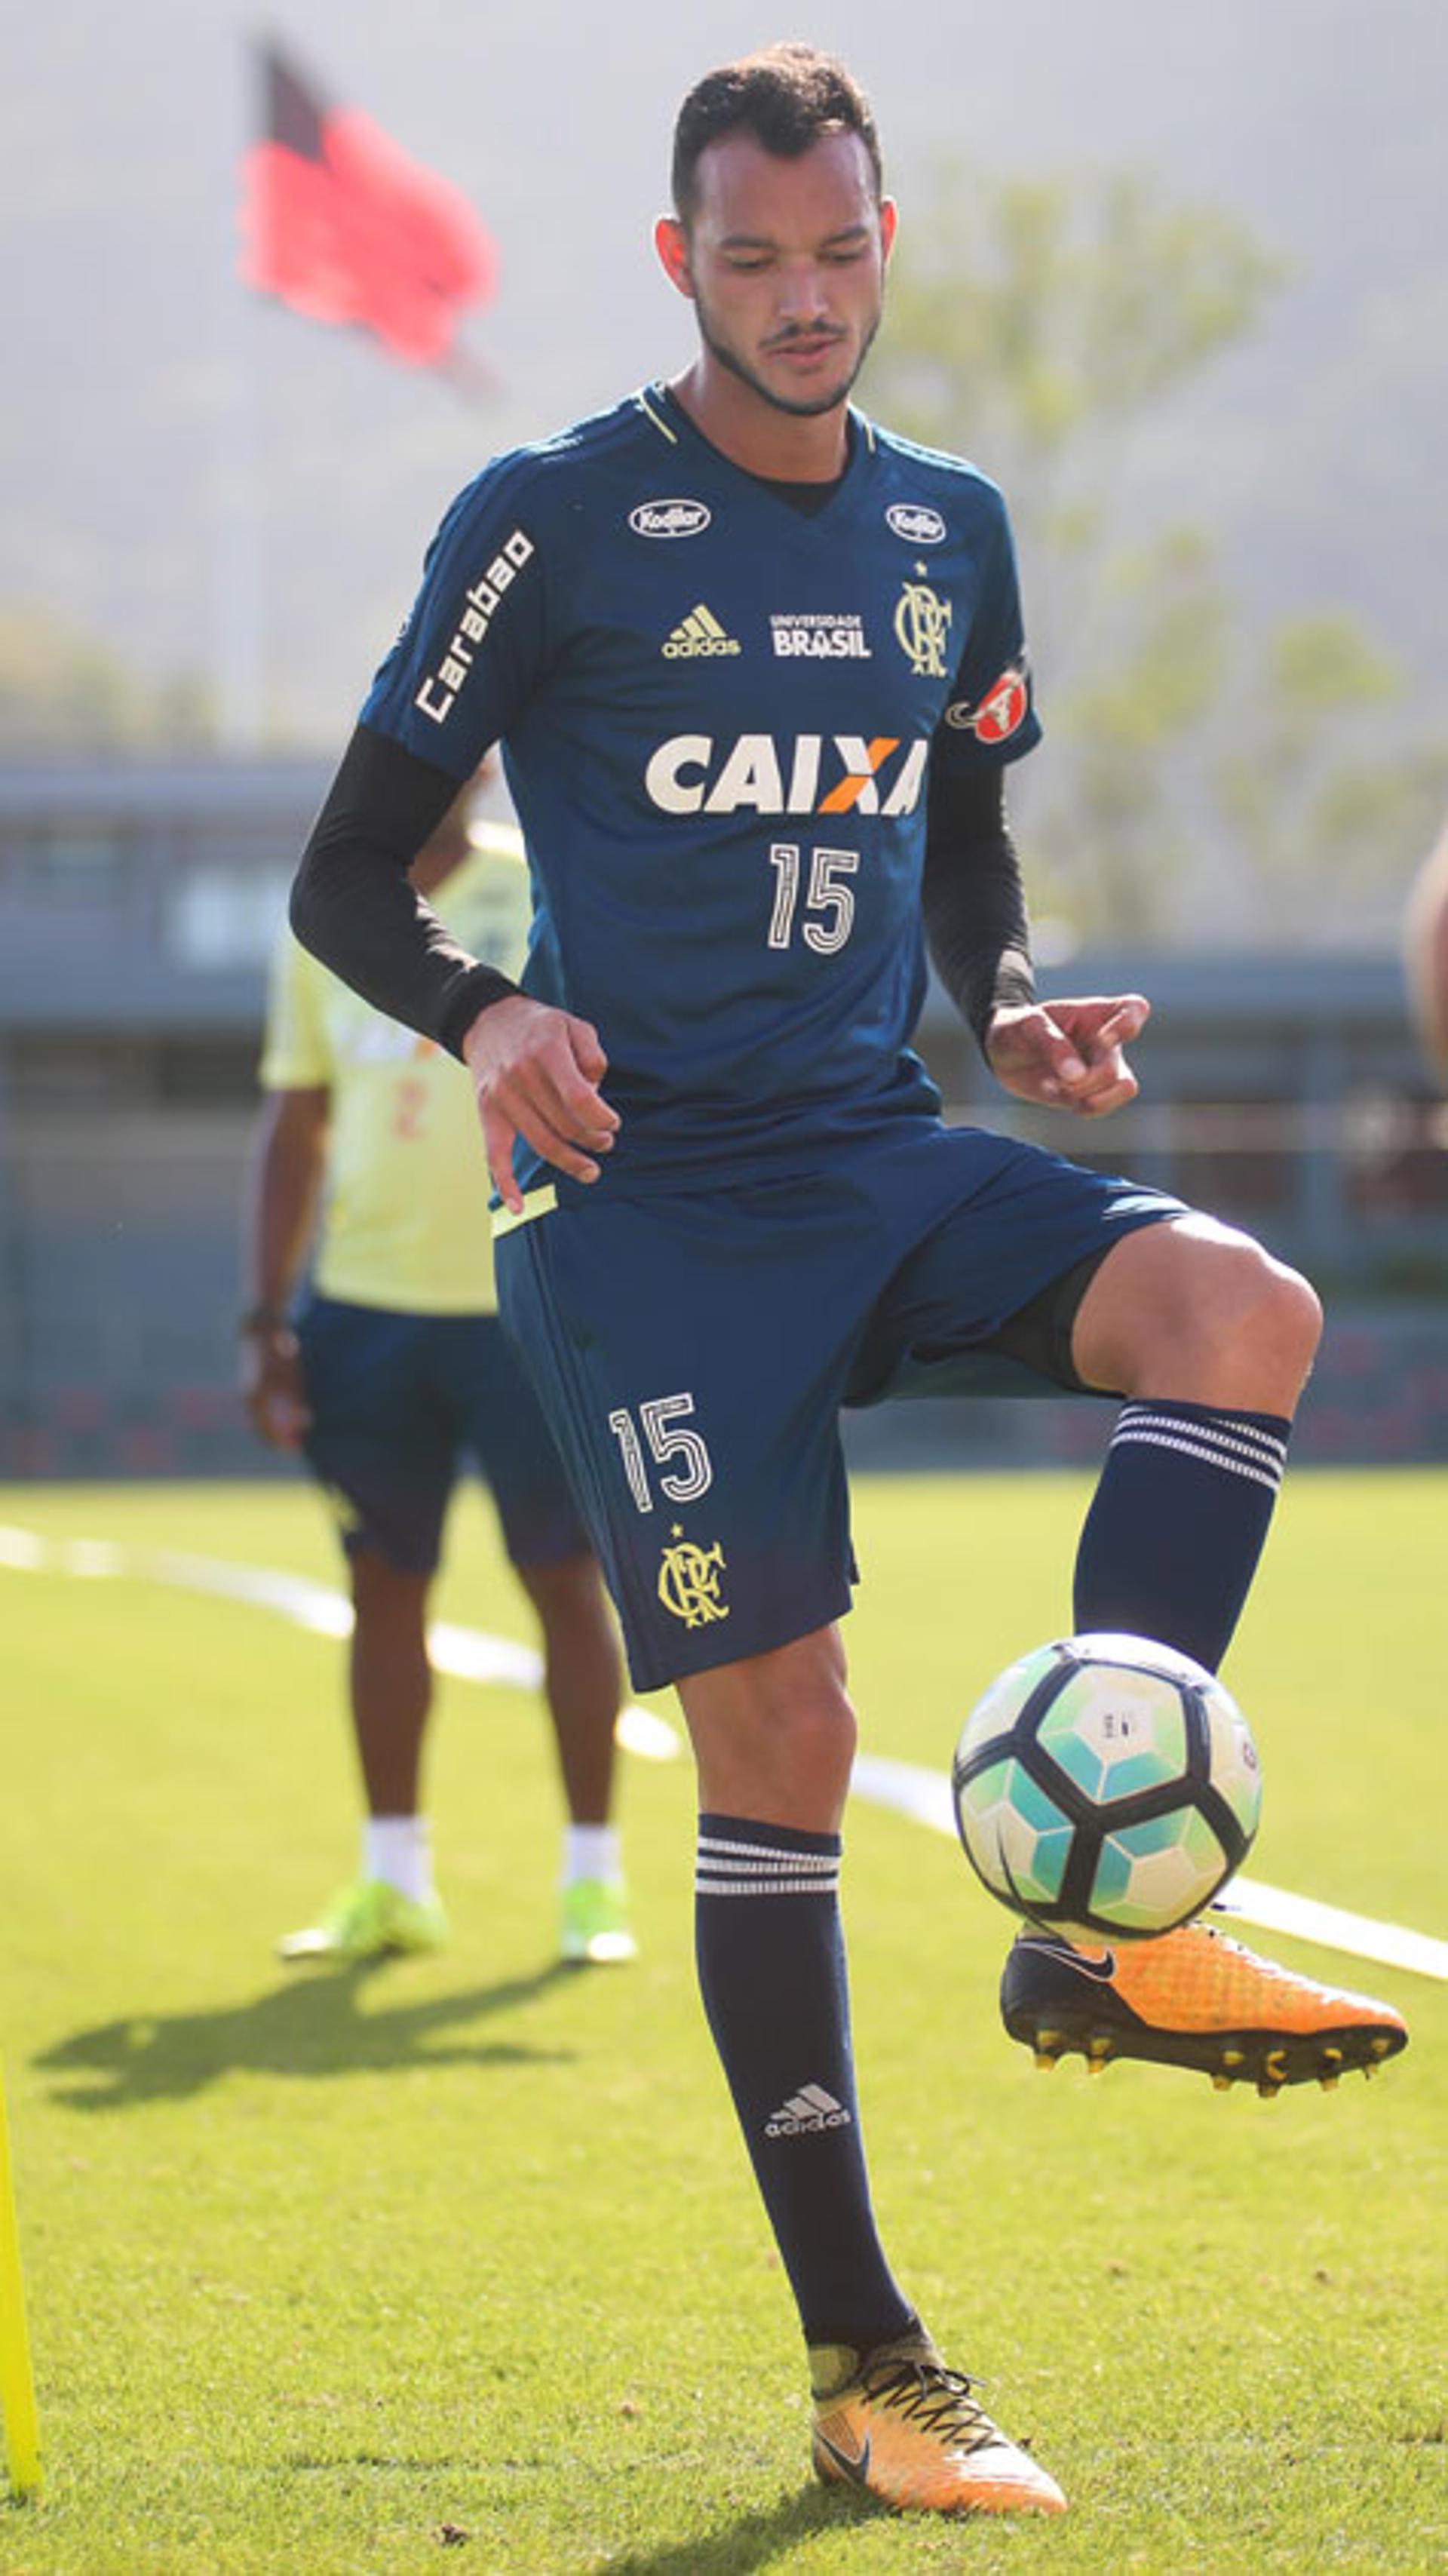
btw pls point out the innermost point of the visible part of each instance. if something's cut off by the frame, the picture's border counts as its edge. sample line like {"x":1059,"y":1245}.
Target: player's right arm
{"x":284,"y":1185}
{"x":474,"y":651}
{"x":536,"y":1070}
{"x":536,"y":1073}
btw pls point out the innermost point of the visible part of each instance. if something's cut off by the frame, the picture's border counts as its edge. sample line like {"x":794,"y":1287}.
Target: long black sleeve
{"x":353,"y":907}
{"x":976,"y":924}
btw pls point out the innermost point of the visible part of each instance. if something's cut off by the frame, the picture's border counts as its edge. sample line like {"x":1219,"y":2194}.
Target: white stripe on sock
{"x":1269,"y":1448}
{"x":774,"y":1887}
{"x":767,"y":1855}
{"x":1208,"y":1457}
{"x":761,"y":1869}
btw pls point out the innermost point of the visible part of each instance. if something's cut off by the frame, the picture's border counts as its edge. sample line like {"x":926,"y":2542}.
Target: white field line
{"x":925,"y":1796}
{"x":471,"y":1655}
{"x":464,"y":1652}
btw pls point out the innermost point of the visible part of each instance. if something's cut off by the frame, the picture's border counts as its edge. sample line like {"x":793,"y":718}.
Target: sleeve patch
{"x":999,"y":711}
{"x":438,"y":693}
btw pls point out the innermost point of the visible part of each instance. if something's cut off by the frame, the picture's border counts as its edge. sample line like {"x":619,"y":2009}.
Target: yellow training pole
{"x":17,"y":2387}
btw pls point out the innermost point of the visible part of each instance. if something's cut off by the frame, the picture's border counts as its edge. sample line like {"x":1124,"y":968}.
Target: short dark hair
{"x":787,"y":96}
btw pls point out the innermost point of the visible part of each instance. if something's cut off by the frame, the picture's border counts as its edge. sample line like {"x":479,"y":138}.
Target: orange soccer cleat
{"x":1191,"y":1998}
{"x":901,"y":2427}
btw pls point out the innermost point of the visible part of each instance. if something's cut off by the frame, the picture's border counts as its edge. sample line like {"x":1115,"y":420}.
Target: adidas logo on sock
{"x":697,"y":634}
{"x":806,"y":2113}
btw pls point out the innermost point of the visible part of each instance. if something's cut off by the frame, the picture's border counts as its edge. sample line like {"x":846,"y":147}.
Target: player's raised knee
{"x":1198,"y":1311}
{"x":1256,"y":1326}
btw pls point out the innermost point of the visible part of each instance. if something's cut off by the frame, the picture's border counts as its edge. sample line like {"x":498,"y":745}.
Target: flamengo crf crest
{"x":689,"y":1581}
{"x":922,"y":622}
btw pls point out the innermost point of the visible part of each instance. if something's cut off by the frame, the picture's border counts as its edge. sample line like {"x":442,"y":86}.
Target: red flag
{"x":342,"y":226}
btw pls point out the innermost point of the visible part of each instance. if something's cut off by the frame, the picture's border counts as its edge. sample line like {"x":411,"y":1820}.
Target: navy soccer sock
{"x":1177,"y":1524}
{"x":771,"y":1959}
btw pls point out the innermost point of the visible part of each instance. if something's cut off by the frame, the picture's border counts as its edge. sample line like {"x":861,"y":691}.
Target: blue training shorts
{"x":693,"y":1351}
{"x":401,"y":1404}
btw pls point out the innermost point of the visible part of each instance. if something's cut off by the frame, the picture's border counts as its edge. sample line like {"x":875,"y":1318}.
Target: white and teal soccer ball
{"x":1107,"y":1786}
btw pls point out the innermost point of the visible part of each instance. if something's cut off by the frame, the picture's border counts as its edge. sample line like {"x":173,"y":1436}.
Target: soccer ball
{"x":1106,"y":1786}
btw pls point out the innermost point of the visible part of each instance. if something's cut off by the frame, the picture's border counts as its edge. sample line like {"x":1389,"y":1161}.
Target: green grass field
{"x":335,"y":2273}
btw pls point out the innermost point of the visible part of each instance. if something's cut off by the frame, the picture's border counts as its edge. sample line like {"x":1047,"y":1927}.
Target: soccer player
{"x":758,"y":668}
{"x":394,"y":1374}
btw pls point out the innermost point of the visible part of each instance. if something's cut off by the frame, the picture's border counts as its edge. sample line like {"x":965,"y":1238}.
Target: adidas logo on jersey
{"x":697,"y":634}
{"x":806,"y":2113}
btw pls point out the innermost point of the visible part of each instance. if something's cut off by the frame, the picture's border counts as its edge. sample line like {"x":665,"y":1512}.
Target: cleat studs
{"x":1053,"y":2039}
{"x":1234,"y":2057}
{"x":1380,"y":2046}
{"x":1369,"y":2072}
{"x":1046,"y":2058}
{"x":1329,"y":2083}
{"x":1221,"y":2084}
{"x":1269,"y":2086}
{"x":1330,"y":2056}
{"x":1098,"y":2054}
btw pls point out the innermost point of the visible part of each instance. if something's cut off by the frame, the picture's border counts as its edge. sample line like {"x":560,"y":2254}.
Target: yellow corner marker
{"x":17,"y":2387}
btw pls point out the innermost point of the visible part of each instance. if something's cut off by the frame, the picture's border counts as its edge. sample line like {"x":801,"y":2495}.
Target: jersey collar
{"x":669,"y":417}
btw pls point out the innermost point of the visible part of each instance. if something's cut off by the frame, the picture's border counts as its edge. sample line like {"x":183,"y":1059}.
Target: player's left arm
{"x":1067,"y":1054}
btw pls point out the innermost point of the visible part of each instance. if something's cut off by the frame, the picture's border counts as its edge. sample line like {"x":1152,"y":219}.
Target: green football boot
{"x":369,"y":1921}
{"x":594,"y":1924}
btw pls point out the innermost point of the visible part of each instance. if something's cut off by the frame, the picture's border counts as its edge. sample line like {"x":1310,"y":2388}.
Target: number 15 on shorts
{"x":658,"y":1450}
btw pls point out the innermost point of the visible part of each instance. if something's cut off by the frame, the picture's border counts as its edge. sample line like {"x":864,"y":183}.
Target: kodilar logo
{"x":916,"y":522}
{"x":670,"y":518}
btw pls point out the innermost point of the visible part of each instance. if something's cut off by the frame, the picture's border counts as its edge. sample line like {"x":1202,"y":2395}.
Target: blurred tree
{"x":1049,"y":314}
{"x":62,"y":692}
{"x":1326,"y":788}
{"x":1036,"y":322}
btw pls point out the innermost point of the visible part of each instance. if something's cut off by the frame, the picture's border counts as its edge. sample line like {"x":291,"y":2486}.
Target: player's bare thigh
{"x":774,"y":1734}
{"x":1195,"y":1312}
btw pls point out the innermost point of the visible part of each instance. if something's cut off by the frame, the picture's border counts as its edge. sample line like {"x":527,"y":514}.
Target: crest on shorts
{"x":689,"y":1581}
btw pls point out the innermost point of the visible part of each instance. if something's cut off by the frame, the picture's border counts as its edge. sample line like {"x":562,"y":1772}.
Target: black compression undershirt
{"x":976,"y":924}
{"x":805,"y":497}
{"x":353,"y":906}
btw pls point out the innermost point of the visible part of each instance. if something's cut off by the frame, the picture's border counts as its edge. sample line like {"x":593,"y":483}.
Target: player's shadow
{"x":307,"y":2026}
{"x":754,"y":2540}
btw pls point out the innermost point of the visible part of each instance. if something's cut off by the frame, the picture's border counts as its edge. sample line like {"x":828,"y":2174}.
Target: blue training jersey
{"x":716,"y":712}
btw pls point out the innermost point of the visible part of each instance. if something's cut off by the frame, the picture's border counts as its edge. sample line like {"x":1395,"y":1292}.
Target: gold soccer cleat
{"x":901,"y":2427}
{"x":1192,"y":1998}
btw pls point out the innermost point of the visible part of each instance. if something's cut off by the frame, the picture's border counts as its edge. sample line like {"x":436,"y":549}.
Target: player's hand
{"x":1070,"y":1054}
{"x":272,"y":1388}
{"x":536,"y":1074}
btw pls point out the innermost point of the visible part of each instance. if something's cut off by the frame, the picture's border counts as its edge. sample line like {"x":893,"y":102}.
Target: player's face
{"x":785,"y":262}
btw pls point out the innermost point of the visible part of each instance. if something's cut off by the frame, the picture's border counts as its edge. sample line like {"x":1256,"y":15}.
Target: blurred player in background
{"x":394,"y":1375}
{"x":1425,"y":951}
{"x":758,"y":666}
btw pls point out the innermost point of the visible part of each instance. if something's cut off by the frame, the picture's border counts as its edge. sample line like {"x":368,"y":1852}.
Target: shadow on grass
{"x":755,"y":2539}
{"x":307,"y":2026}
